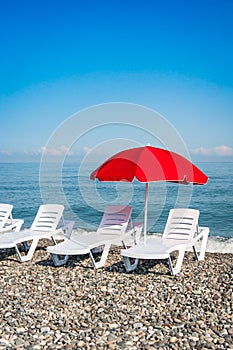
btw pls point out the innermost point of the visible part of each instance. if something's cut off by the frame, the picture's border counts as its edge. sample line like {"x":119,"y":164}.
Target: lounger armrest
{"x":202,"y":232}
{"x":201,"y":236}
{"x":133,"y":225}
{"x":137,"y":224}
{"x":13,"y":225}
{"x":137,"y":230}
{"x":65,"y":228}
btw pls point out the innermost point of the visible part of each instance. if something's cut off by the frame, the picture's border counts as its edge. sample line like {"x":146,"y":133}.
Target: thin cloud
{"x":57,"y":151}
{"x":31,"y":153}
{"x":202,"y":151}
{"x":222,"y":151}
{"x":86,"y":149}
{"x":5,"y":153}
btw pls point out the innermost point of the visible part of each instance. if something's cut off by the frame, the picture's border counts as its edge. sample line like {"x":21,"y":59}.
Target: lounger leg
{"x":177,"y":268}
{"x":103,"y":259}
{"x":170,"y":266}
{"x":18,"y":225}
{"x":124,"y":245}
{"x":128,"y":266}
{"x":68,"y":229}
{"x":59,"y":260}
{"x":30,"y":251}
{"x":201,"y":255}
{"x":25,"y":247}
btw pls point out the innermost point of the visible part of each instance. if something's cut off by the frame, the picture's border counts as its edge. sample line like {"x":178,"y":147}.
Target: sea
{"x":28,"y":185}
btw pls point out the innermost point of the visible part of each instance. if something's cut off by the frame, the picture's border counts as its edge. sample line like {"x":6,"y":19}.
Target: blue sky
{"x":59,"y":57}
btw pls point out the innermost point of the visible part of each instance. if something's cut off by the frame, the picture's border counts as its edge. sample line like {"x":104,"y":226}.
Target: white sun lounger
{"x":7,"y":223}
{"x":116,"y":228}
{"x":45,"y":225}
{"x":181,"y":232}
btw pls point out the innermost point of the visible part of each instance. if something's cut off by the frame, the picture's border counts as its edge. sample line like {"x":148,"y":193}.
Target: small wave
{"x":216,"y":244}
{"x":220,"y":245}
{"x":81,"y":231}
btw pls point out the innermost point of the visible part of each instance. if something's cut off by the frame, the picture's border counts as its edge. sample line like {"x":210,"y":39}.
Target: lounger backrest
{"x":5,"y":213}
{"x":47,"y":218}
{"x":115,"y":220}
{"x":181,"y":224}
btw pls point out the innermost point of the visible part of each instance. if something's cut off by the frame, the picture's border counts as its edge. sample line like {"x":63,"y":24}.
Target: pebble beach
{"x":76,"y":307}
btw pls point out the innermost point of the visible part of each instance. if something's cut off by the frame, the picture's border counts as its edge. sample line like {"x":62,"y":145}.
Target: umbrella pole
{"x":145,"y":211}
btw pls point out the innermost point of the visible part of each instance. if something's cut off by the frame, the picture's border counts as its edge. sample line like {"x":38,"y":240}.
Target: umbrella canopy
{"x":148,"y":164}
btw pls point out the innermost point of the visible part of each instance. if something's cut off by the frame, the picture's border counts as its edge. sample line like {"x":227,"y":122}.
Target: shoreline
{"x":74,"y":306}
{"x":215,"y":244}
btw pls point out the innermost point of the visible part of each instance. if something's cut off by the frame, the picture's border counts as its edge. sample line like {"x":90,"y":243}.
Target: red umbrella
{"x":148,"y":164}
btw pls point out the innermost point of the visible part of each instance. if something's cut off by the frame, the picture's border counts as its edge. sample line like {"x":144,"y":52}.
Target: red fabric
{"x":148,"y":164}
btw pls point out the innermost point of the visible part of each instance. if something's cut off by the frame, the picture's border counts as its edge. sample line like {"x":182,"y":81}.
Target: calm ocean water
{"x":27,"y":185}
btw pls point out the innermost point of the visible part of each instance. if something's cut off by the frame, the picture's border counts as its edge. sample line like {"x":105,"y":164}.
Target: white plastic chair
{"x":45,"y":225}
{"x":116,"y":228}
{"x":180,"y":233}
{"x":7,"y":223}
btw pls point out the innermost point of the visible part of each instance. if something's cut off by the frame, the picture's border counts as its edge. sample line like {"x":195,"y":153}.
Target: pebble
{"x":76,"y":307}
{"x":138,"y":325}
{"x":4,"y":341}
{"x":45,"y":329}
{"x":80,"y":343}
{"x":20,"y":329}
{"x":173,"y":340}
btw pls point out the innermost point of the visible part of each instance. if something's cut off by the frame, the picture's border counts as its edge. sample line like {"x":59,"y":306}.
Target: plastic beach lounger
{"x":47,"y":224}
{"x":7,"y":223}
{"x":181,"y":232}
{"x":116,"y":228}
